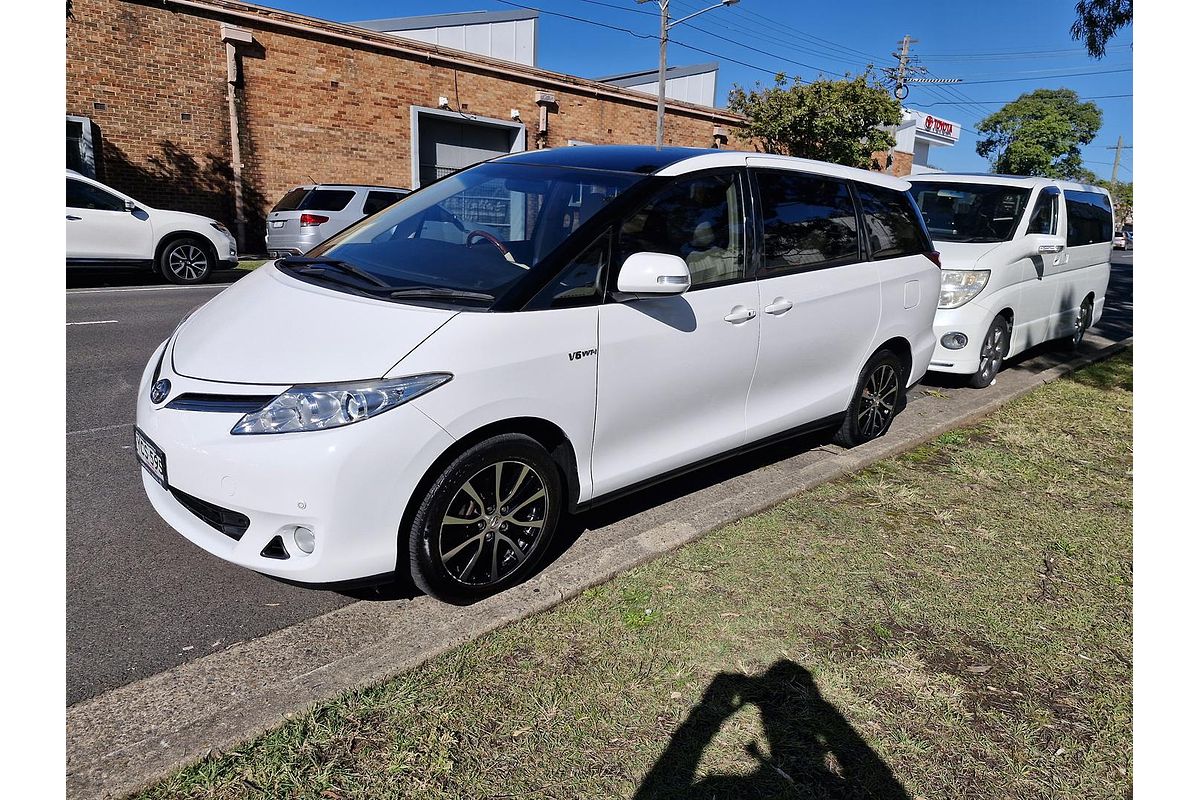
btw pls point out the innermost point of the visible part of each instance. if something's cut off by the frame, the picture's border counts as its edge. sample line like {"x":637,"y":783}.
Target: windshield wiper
{"x":342,"y":266}
{"x":439,"y":293}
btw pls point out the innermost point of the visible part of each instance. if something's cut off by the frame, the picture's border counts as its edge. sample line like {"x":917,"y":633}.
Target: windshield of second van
{"x":469,"y":237}
{"x":970,"y":212}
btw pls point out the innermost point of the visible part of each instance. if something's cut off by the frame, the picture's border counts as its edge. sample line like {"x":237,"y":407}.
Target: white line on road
{"x":150,"y":288}
{"x":94,"y":322}
{"x":98,"y":430}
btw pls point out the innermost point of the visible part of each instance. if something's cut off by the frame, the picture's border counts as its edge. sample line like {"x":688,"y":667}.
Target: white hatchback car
{"x":432,"y":389}
{"x":108,"y":229}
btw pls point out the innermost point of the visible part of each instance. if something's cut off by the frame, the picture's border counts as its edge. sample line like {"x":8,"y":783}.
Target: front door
{"x":674,"y":371}
{"x":820,"y":301}
{"x":99,"y":227}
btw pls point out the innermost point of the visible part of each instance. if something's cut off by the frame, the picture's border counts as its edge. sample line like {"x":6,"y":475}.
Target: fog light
{"x":954,"y":341}
{"x":306,"y":540}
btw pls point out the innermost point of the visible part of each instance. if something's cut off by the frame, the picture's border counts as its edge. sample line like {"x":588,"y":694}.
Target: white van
{"x":1024,"y":260}
{"x":432,"y":388}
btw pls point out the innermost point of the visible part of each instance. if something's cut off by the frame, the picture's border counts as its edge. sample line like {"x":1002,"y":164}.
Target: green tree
{"x":1097,"y":21}
{"x":1122,"y":197}
{"x":1040,"y":133}
{"x":842,"y":121}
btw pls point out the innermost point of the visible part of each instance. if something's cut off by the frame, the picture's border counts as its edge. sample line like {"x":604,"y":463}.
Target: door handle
{"x":781,"y":305}
{"x":72,"y":217}
{"x":739,"y":314}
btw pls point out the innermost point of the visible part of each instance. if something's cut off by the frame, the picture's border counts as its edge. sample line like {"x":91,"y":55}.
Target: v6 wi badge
{"x":578,"y":354}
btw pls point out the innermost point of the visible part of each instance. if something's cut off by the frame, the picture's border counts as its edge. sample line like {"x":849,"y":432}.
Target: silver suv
{"x":310,"y":214}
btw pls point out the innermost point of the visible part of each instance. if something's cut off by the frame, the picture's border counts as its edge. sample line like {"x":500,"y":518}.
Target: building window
{"x":81,"y":153}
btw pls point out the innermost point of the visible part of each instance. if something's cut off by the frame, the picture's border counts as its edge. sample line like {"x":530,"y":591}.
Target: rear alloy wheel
{"x":486,"y":521}
{"x":878,"y":398}
{"x":186,"y":261}
{"x":991,"y":353}
{"x":1083,"y":321}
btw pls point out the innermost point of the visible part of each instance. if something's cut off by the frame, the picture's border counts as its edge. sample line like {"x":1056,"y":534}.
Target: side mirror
{"x":130,"y":205}
{"x":1041,"y":244}
{"x":655,"y":274}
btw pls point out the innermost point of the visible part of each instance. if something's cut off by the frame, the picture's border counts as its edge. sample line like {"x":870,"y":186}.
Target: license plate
{"x":278,"y":223}
{"x":152,"y":458}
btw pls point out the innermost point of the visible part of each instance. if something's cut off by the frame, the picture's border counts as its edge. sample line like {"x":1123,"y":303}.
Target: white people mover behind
{"x":433,"y":388}
{"x":108,"y":229}
{"x":1024,"y":261}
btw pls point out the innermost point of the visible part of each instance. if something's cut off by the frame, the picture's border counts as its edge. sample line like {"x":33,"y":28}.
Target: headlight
{"x":221,"y":228}
{"x":961,"y":285}
{"x":315,"y":408}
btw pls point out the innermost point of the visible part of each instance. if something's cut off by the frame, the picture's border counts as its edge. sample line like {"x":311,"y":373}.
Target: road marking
{"x":98,"y":430}
{"x":149,"y":288}
{"x":94,"y":322}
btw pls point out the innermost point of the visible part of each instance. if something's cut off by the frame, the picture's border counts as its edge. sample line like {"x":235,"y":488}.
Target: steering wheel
{"x":492,"y":240}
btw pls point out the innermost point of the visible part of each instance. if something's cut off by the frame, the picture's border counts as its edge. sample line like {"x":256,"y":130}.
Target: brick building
{"x":159,"y":92}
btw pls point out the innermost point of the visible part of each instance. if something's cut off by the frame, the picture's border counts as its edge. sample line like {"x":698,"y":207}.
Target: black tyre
{"x":486,"y":521}
{"x":186,"y":260}
{"x":878,"y":398}
{"x":992,"y":350}
{"x":1083,"y":321}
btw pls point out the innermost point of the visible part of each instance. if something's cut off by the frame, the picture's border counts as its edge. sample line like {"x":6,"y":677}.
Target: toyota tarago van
{"x":1024,"y":261}
{"x":432,"y":389}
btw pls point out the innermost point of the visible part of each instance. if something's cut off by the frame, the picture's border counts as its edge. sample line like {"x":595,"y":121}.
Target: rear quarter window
{"x":326,"y":200}
{"x":892,"y":224}
{"x":1089,"y":218}
{"x":377,"y":201}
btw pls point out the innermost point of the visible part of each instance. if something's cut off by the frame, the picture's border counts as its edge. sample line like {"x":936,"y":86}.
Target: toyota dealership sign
{"x":941,"y":128}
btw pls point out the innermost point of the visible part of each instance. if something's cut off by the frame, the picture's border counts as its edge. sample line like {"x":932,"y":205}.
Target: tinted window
{"x":378,"y":201}
{"x":84,"y":195}
{"x":291,"y":200}
{"x":807,"y":221}
{"x":326,"y":200}
{"x":698,"y":219}
{"x":1045,"y":214}
{"x":970,"y":212}
{"x":580,"y":283}
{"x":1089,"y":218}
{"x":893,"y":228}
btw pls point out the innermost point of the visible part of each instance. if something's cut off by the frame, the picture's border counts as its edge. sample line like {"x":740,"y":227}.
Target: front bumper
{"x":349,"y":485}
{"x":971,"y":319}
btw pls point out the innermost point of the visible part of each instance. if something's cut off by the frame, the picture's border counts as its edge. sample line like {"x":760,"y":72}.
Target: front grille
{"x":230,"y":523}
{"x":225,"y":403}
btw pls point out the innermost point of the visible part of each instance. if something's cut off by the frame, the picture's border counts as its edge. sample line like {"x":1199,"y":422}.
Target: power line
{"x":1004,"y":102}
{"x":1041,"y":77}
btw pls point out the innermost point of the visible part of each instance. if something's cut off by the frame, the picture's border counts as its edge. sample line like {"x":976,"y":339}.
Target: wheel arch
{"x":544,"y":432}
{"x":902,"y":348}
{"x":174,"y":236}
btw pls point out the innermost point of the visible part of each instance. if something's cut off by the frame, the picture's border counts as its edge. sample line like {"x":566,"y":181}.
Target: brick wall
{"x":312,"y":106}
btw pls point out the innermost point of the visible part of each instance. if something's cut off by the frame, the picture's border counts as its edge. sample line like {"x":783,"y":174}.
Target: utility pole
{"x":1117,"y":157}
{"x":665,"y":25}
{"x":899,"y":73}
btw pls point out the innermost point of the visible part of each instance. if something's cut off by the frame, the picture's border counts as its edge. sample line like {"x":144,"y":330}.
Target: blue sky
{"x":1000,"y":50}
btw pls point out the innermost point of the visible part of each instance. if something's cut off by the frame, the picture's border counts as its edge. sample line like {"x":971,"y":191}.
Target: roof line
{"x":444,"y":20}
{"x":672,"y":72}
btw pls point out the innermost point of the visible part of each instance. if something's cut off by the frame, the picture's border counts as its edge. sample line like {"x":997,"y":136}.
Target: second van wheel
{"x":1083,"y":321}
{"x":991,"y":353}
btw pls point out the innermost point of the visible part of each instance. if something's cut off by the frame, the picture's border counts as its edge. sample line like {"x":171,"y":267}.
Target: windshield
{"x":471,"y":236}
{"x":970,"y":212}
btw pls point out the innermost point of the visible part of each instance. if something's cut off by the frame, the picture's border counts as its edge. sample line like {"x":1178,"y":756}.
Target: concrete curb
{"x":131,"y":736}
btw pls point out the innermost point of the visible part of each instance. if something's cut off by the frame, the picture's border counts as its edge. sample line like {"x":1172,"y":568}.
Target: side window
{"x":84,"y":195}
{"x":697,"y":218}
{"x":378,"y":201}
{"x":1045,"y":214}
{"x":1089,"y":218}
{"x":326,"y":200}
{"x":891,"y":221}
{"x":808,"y":221}
{"x":580,"y":283}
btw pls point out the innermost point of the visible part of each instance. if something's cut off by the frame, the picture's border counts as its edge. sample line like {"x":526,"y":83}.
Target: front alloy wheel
{"x":991,"y":353}
{"x":186,"y":261}
{"x":486,"y":521}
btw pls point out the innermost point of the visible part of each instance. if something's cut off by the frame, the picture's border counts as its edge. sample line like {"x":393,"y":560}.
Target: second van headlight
{"x":959,"y":286}
{"x":316,"y":408}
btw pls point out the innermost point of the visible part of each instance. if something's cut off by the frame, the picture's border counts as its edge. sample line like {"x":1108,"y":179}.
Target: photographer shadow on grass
{"x":813,"y":751}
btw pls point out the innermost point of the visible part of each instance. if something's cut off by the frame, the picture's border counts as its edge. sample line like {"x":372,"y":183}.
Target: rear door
{"x":819,"y":297}
{"x":674,"y":371}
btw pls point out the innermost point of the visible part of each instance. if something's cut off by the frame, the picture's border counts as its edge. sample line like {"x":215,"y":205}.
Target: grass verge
{"x":252,"y":264}
{"x":954,"y":622}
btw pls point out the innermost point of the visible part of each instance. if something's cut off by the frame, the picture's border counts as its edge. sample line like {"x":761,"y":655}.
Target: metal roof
{"x":645,"y":159}
{"x":639,"y":78}
{"x":443,"y":20}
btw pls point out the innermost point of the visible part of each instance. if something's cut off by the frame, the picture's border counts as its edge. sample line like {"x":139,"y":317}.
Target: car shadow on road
{"x":812,"y":751}
{"x":79,"y":278}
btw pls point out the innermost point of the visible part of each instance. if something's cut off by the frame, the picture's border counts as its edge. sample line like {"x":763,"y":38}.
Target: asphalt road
{"x":140,"y":598}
